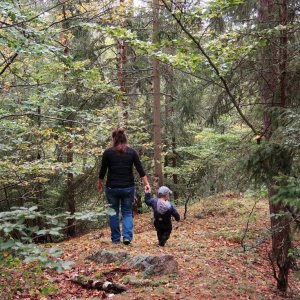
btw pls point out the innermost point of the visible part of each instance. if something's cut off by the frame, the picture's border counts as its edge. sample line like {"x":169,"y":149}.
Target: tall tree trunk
{"x":281,"y":240}
{"x":274,"y":94}
{"x":170,"y":126}
{"x":70,"y":177}
{"x":39,"y":186}
{"x":70,"y":192}
{"x":283,"y":54}
{"x":156,"y":101}
{"x":121,"y":63}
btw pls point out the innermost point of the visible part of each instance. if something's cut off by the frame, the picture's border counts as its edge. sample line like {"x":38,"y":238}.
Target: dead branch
{"x":247,"y":226}
{"x":107,"y":286}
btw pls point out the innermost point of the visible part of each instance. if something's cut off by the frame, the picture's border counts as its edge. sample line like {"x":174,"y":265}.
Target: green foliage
{"x":20,"y":228}
{"x":203,"y":164}
{"x":49,"y":290}
{"x":60,"y":99}
{"x":277,"y":161}
{"x":217,"y":8}
{"x":288,"y":131}
{"x":51,"y":98}
{"x":288,"y":192}
{"x":267,"y":160}
{"x":260,"y":192}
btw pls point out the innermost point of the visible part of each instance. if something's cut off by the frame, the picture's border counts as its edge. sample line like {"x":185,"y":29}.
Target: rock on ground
{"x":106,"y":257}
{"x":154,"y":264}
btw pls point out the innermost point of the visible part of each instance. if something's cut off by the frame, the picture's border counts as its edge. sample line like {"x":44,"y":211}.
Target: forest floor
{"x":207,"y":246}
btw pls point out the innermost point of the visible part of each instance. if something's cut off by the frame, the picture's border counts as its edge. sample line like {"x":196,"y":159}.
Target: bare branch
{"x":9,"y":62}
{"x":247,"y":226}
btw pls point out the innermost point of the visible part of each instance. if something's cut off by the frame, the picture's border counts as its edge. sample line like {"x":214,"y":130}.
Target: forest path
{"x":212,"y":263}
{"x":207,"y":247}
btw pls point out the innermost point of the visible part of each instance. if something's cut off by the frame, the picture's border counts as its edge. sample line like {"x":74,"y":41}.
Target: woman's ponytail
{"x":119,"y":140}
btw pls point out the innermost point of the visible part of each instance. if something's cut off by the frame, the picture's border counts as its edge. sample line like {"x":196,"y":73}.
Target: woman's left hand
{"x":100,"y":186}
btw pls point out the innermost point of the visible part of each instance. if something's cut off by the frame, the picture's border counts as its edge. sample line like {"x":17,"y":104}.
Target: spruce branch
{"x":213,"y":66}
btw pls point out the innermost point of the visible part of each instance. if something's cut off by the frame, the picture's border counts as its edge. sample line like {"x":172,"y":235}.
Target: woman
{"x":118,"y":161}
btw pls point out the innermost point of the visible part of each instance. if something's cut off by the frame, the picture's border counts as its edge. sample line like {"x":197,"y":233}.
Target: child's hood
{"x":163,"y":206}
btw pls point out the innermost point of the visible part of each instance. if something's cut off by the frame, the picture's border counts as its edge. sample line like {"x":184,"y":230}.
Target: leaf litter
{"x":212,"y":263}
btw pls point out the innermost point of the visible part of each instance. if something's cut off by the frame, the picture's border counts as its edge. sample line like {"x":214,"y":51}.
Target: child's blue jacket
{"x":166,"y":217}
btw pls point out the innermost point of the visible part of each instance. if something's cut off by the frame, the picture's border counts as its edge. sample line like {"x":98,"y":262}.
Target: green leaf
{"x":7,"y":245}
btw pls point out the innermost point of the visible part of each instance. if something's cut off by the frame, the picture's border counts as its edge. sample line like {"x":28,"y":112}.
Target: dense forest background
{"x":208,"y":92}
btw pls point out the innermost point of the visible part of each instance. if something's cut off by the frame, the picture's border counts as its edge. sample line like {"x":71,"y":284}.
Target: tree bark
{"x":70,"y":192}
{"x":281,"y":241}
{"x":274,"y":94}
{"x":170,"y":129}
{"x":121,"y":62}
{"x":283,"y":54}
{"x":69,"y":155}
{"x":156,"y":101}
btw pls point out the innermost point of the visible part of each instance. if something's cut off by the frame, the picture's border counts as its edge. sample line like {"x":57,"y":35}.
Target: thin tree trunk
{"x":70,"y":192}
{"x":170,"y":126}
{"x":156,"y":101}
{"x":70,"y":177}
{"x":6,"y":198}
{"x":283,"y":55}
{"x":121,"y":63}
{"x":39,"y":186}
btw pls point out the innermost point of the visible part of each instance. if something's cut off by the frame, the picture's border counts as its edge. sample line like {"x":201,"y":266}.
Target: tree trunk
{"x":70,"y":177}
{"x":121,"y":62}
{"x":281,"y":241}
{"x":70,"y":192}
{"x":283,"y":53}
{"x":274,"y":94}
{"x":170,"y":129}
{"x":156,"y":101}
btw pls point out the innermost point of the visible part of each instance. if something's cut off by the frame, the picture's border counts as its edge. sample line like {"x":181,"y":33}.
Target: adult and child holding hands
{"x":118,"y":162}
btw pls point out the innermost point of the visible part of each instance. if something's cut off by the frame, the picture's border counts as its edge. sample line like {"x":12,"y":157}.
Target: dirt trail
{"x":207,"y":246}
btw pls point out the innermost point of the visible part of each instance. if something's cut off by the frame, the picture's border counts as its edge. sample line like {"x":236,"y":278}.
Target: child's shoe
{"x":162,"y":243}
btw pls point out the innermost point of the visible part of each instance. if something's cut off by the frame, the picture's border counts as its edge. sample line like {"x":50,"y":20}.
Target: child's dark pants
{"x":163,"y":230}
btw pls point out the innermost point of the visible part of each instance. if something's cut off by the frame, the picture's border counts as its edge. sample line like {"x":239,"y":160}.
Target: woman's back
{"x":120,"y":167}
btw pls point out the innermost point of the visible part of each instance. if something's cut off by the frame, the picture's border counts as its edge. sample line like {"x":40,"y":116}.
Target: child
{"x":162,"y":210}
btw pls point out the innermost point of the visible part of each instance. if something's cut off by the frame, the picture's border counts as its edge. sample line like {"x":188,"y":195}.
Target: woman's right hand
{"x":147,"y":188}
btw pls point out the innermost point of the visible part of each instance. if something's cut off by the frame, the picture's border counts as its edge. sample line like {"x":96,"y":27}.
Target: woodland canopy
{"x":208,"y":92}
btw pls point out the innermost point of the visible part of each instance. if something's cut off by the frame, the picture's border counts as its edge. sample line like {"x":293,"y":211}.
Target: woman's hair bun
{"x":118,"y":132}
{"x":121,"y":130}
{"x":119,"y":139}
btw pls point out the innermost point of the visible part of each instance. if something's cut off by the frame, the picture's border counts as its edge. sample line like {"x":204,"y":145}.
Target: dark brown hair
{"x":119,"y":140}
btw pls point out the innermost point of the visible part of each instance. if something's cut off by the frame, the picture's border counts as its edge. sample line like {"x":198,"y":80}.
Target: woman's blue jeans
{"x":125,"y":198}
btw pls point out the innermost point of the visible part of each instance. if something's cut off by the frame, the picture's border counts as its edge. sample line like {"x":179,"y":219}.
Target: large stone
{"x":154,"y":264}
{"x":106,"y":257}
